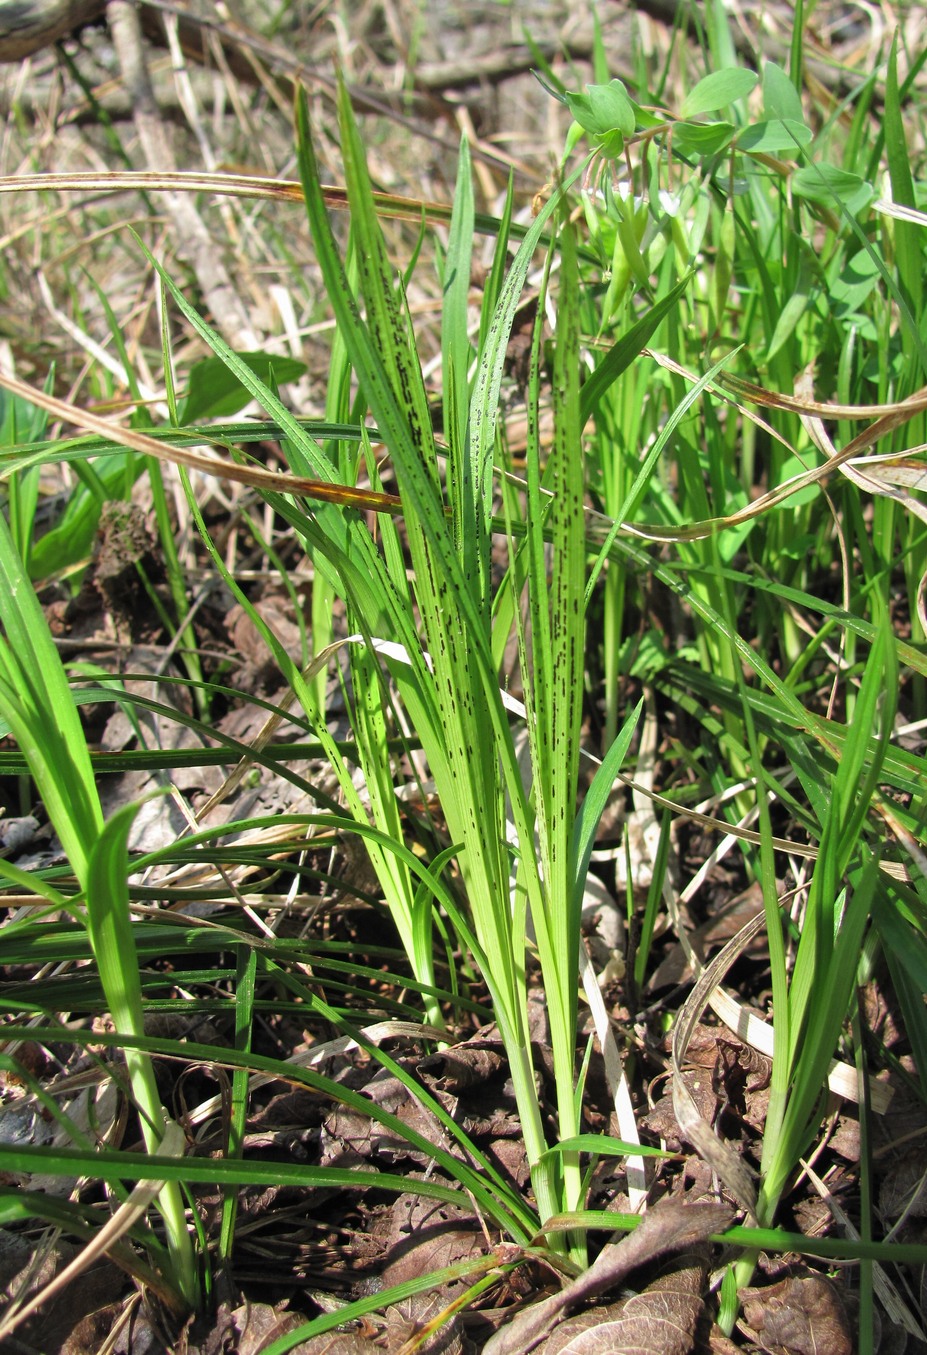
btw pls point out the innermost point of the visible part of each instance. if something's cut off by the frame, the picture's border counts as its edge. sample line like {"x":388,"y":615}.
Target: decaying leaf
{"x":661,"y":1320}
{"x":348,"y":1134}
{"x":422,"y":1235}
{"x":407,"y":1323}
{"x":904,"y":1187}
{"x":801,"y":1315}
{"x":670,"y":1226}
{"x":467,"y":1065}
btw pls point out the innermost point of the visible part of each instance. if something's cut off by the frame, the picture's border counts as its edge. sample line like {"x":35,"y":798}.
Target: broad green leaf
{"x":830,"y":186}
{"x":604,"y":109}
{"x":852,"y":285}
{"x":778,"y":136}
{"x":620,"y":356}
{"x":72,"y":537}
{"x":215,"y":392}
{"x":701,"y":138}
{"x":789,"y":317}
{"x":792,"y":466}
{"x":717,"y":90}
{"x":781,"y":100}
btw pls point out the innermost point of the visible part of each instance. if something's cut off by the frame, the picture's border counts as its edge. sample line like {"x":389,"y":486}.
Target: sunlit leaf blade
{"x":470,"y":529}
{"x":603,"y":109}
{"x":625,"y":350}
{"x":214,"y":392}
{"x":774,"y":137}
{"x":717,"y":90}
{"x":596,"y":798}
{"x":908,"y":238}
{"x":36,"y":700}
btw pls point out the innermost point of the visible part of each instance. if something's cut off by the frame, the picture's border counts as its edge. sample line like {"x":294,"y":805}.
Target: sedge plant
{"x":37,"y":704}
{"x":451,"y":685}
{"x":520,"y":849}
{"x":435,"y":633}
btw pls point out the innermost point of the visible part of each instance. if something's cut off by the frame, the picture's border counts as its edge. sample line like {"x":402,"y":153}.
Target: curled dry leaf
{"x":904,"y":1187}
{"x":661,"y":1320}
{"x":895,"y":477}
{"x":466,"y":1065}
{"x":801,"y":1315}
{"x":670,"y":1226}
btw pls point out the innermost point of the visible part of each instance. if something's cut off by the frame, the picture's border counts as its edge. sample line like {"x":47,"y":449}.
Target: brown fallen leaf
{"x":406,"y":1325}
{"x":670,"y":1226}
{"x":661,"y":1320}
{"x":255,"y":1326}
{"x":349,"y":1135}
{"x":904,"y":1186}
{"x":338,"y":1343}
{"x":801,"y":1315}
{"x":719,"y":1344}
{"x":466,"y":1065}
{"x":420,"y":1235}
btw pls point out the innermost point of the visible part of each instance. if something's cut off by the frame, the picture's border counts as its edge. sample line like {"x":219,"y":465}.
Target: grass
{"x":715,"y":510}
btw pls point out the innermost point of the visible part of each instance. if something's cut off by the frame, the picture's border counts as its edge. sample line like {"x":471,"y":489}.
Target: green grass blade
{"x":623,"y":352}
{"x":909,"y":254}
{"x":246,"y":972}
{"x":36,"y":700}
{"x":597,"y":796}
{"x":114,"y":948}
{"x":455,"y":358}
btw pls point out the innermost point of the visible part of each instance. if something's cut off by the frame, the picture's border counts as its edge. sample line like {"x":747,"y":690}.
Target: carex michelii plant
{"x":427,"y":640}
{"x":445,"y":671}
{"x":521,"y":849}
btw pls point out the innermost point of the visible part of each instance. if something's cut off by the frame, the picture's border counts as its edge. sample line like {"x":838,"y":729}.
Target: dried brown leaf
{"x":670,"y":1226}
{"x":405,"y":1324}
{"x":661,"y":1320}
{"x":904,"y":1187}
{"x":801,"y":1315}
{"x":422,"y":1235}
{"x":467,"y":1065}
{"x":255,"y":1326}
{"x":349,"y":1133}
